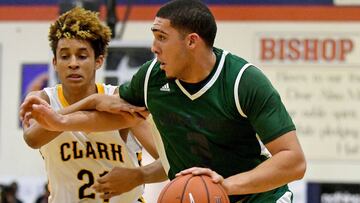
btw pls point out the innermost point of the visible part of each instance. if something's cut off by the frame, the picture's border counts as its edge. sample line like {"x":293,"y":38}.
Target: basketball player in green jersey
{"x":216,"y":113}
{"x":74,"y":159}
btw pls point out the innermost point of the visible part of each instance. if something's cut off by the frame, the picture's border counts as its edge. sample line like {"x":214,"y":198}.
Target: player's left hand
{"x":118,"y":181}
{"x":215,"y":177}
{"x":27,"y":105}
{"x":46,"y":117}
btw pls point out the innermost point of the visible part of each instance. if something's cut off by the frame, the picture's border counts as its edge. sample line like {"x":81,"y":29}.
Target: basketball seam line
{"x":223,"y":191}
{"x":206,"y":187}
{"x":187,"y":182}
{"x":165,"y":189}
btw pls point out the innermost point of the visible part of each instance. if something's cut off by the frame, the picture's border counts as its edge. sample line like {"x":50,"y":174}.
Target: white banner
{"x":325,"y":105}
{"x":346,"y":2}
{"x":318,"y":77}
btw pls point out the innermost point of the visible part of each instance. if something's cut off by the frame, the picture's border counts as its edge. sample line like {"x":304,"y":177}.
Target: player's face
{"x":75,"y":63}
{"x":170,"y":49}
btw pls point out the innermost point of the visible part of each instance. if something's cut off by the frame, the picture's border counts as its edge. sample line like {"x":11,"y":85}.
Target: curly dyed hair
{"x":82,"y":24}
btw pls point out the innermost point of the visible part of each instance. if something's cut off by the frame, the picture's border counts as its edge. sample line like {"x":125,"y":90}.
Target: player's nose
{"x":73,"y":63}
{"x":154,"y":48}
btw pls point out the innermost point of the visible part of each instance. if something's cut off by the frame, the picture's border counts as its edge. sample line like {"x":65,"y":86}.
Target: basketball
{"x":193,"y":189}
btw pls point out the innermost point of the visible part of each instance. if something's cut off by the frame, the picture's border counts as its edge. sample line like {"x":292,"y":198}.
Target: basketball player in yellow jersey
{"x":75,"y":159}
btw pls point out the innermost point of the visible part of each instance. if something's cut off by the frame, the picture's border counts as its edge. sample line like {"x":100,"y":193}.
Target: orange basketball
{"x":193,"y":189}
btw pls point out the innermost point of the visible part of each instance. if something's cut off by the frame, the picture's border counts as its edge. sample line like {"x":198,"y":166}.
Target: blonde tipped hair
{"x":82,"y":24}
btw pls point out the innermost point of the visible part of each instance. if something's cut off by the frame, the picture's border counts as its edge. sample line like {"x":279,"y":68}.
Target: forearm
{"x":35,"y":136}
{"x":88,"y":103}
{"x":95,"y":121}
{"x":282,"y":168}
{"x":153,"y":172}
{"x":143,"y":133}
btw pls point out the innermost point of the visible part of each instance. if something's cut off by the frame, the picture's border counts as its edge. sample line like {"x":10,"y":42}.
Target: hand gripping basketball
{"x":193,"y":189}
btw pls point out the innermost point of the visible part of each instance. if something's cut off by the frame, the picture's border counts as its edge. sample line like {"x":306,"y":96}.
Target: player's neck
{"x":201,"y":66}
{"x":73,"y":95}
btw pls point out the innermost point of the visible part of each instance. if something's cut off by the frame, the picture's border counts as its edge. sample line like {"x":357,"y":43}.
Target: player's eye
{"x":161,"y":37}
{"x":64,"y":56}
{"x":83,"y":56}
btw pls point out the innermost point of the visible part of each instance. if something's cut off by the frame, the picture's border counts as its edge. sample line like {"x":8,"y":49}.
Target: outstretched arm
{"x":88,"y":121}
{"x":122,"y":114}
{"x":287,"y":164}
{"x":49,"y":124}
{"x":102,"y":102}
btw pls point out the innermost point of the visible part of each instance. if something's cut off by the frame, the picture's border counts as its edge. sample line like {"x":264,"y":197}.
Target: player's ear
{"x":54,"y":62}
{"x":99,"y":61}
{"x":192,"y":39}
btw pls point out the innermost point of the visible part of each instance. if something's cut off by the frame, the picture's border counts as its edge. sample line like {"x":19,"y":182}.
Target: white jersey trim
{"x":209,"y":84}
{"x":159,"y":145}
{"x":155,"y":133}
{"x":53,"y":98}
{"x":109,"y":89}
{"x":264,"y":150}
{"x":236,"y":89}
{"x":286,"y":198}
{"x":147,"y":76}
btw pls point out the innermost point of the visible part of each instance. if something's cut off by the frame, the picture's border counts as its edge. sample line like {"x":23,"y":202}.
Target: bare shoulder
{"x":41,"y":94}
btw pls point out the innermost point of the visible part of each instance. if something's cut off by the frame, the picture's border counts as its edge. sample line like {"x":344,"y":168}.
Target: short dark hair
{"x":190,"y":16}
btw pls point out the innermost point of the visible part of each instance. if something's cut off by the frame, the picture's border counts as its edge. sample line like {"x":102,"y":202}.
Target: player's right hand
{"x":215,"y":177}
{"x":117,"y":181}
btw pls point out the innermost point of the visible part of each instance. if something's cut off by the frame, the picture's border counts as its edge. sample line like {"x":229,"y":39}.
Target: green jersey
{"x":221,"y":123}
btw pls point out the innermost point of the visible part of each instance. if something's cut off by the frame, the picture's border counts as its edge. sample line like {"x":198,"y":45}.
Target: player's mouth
{"x":74,"y":77}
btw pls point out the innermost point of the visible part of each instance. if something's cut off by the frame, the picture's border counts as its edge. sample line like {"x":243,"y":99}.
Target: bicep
{"x":288,"y":155}
{"x":287,"y":141}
